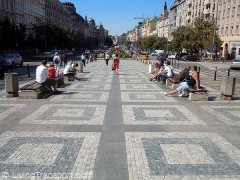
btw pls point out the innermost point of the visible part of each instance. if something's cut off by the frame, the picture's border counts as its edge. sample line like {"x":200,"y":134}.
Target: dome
{"x":91,"y":22}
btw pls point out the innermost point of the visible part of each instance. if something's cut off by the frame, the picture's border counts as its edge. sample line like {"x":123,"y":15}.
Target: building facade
{"x":162,"y":25}
{"x":228,"y":20}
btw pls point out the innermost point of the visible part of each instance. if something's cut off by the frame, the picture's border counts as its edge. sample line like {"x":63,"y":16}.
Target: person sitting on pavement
{"x":52,"y":71}
{"x":42,"y":78}
{"x":193,"y":80}
{"x":69,"y":71}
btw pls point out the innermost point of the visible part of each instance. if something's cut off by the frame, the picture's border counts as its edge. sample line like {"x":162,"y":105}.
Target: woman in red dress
{"x":116,"y":63}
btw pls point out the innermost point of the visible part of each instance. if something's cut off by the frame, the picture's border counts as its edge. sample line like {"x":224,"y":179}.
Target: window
{"x":231,"y":30}
{"x":228,"y":12}
{"x":237,"y":30}
{"x":226,"y":32}
{"x":222,"y":30}
{"x":233,"y":11}
{"x":238,"y":10}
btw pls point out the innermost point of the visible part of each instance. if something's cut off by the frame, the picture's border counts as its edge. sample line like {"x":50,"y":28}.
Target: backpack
{"x":55,"y":59}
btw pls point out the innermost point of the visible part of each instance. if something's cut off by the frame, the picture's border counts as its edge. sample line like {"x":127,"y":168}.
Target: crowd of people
{"x":187,"y":78}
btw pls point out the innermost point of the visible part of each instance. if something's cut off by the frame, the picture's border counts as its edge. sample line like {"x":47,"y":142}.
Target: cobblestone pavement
{"x":108,"y":126}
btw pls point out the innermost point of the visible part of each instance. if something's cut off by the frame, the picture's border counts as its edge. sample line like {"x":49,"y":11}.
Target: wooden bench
{"x":198,"y":95}
{"x":33,"y":90}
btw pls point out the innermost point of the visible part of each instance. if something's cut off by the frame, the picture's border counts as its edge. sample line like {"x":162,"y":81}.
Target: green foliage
{"x":198,"y":36}
{"x":42,"y":57}
{"x":152,"y":42}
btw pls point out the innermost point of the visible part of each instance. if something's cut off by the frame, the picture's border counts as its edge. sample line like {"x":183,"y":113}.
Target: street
{"x":119,"y":127}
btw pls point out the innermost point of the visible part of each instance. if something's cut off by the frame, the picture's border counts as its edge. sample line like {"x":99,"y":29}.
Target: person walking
{"x":65,"y":59}
{"x":56,"y":61}
{"x":107,"y":58}
{"x":83,"y":58}
{"x":116,"y":64}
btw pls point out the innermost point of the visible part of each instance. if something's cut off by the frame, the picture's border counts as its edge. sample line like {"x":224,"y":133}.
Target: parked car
{"x":189,"y":58}
{"x":172,"y":56}
{"x":68,"y":53}
{"x":13,"y":59}
{"x":144,"y":56}
{"x":235,"y":64}
{"x":162,"y":56}
{"x":156,"y":52}
{"x":3,"y":66}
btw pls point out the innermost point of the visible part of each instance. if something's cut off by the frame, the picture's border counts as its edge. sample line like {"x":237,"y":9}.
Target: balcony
{"x":206,"y":2}
{"x":206,"y":11}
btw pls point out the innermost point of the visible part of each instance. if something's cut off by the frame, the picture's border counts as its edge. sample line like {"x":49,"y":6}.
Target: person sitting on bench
{"x":193,"y":80}
{"x":184,"y":74}
{"x":42,"y":78}
{"x":52,"y":71}
{"x":69,"y":71}
{"x":166,"y":73}
{"x":157,"y":71}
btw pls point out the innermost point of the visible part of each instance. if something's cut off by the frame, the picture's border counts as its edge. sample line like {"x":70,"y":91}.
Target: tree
{"x":161,"y":43}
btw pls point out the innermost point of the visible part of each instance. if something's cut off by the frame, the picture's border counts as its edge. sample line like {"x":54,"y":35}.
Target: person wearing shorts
{"x":194,"y":80}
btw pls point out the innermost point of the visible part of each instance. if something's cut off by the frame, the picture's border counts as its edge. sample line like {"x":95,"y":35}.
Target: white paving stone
{"x":83,"y":96}
{"x":7,"y":109}
{"x":145,"y":97}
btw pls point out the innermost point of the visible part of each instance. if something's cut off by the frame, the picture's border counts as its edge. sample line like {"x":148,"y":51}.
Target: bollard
{"x":215,"y":74}
{"x":199,"y":72}
{"x":228,"y":72}
{"x":227,"y":88}
{"x":11,"y":84}
{"x":80,"y":64}
{"x":28,"y":70}
{"x":178,"y":65}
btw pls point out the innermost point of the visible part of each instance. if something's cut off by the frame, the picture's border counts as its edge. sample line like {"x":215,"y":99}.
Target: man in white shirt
{"x":167,"y":72}
{"x":107,"y":57}
{"x":42,"y":77}
{"x":69,"y":71}
{"x":57,"y":60}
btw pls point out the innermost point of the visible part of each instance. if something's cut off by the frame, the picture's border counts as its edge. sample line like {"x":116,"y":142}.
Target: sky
{"x":117,"y":16}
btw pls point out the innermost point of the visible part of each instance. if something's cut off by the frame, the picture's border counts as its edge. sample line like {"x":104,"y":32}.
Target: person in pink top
{"x":116,"y":63}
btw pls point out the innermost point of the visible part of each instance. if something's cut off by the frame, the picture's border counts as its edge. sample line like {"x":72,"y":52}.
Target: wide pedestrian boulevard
{"x":118,"y":127}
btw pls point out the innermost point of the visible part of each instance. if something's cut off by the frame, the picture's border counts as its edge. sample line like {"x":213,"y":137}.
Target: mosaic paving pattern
{"x":85,"y":87}
{"x":145,"y":97}
{"x":39,"y":153}
{"x":142,"y":87}
{"x":181,"y":155}
{"x":227,"y":114}
{"x":8,"y":109}
{"x":83,"y":96}
{"x":135,"y":81}
{"x":67,"y":114}
{"x":162,"y":115}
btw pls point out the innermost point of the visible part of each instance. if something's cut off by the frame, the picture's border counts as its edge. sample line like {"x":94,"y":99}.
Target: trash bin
{"x":227,"y":88}
{"x":11,"y":84}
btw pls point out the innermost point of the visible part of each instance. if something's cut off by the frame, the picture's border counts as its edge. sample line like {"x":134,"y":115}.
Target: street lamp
{"x":213,"y":46}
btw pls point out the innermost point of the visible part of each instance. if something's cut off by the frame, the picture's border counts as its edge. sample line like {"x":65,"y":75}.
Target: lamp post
{"x":213,"y":47}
